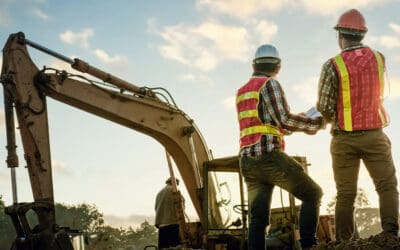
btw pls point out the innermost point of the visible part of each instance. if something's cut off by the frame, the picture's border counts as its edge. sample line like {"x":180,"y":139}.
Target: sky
{"x":201,"y":52}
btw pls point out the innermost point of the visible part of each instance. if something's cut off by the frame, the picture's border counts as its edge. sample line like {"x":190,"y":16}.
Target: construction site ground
{"x":376,"y":242}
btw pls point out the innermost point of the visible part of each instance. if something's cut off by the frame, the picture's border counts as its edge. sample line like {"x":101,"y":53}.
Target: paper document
{"x":313,"y":113}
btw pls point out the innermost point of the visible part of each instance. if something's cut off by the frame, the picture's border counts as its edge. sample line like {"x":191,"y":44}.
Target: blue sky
{"x":201,"y":52}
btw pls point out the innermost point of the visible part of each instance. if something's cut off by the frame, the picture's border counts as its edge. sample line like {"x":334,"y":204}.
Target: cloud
{"x":80,"y":38}
{"x":187,"y":77}
{"x":39,"y":13}
{"x":196,"y":78}
{"x":230,"y":102}
{"x":106,"y":58}
{"x":306,"y":90}
{"x":242,"y":9}
{"x":395,"y":27}
{"x":388,"y":41}
{"x":394,"y":88}
{"x":247,"y":9}
{"x":329,"y":7}
{"x":204,"y":46}
{"x":266,"y":29}
{"x":61,"y":168}
{"x":210,"y":43}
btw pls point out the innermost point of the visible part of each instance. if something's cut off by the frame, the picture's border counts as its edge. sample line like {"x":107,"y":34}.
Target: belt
{"x":357,"y":132}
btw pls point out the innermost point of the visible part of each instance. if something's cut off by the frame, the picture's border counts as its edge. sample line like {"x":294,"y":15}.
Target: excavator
{"x":146,"y":110}
{"x":151,"y":111}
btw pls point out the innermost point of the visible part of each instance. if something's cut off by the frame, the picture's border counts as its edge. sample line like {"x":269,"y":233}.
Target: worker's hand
{"x":302,"y":114}
{"x":321,"y":122}
{"x":311,"y":132}
{"x":321,"y":125}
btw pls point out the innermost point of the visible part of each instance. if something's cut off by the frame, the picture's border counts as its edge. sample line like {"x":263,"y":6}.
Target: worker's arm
{"x":278,"y":108}
{"x":327,"y":92}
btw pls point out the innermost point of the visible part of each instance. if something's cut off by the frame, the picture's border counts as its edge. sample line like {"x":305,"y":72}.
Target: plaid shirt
{"x":328,"y":89}
{"x":274,"y":109}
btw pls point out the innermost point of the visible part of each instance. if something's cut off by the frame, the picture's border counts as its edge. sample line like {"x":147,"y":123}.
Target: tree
{"x":361,"y":201}
{"x":82,"y":217}
{"x":143,"y":236}
{"x":87,"y":219}
{"x":107,"y":237}
{"x":366,"y":218}
{"x":368,"y":221}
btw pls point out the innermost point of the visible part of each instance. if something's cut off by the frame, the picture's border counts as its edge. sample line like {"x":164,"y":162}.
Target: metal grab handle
{"x":12,"y":157}
{"x":195,"y":162}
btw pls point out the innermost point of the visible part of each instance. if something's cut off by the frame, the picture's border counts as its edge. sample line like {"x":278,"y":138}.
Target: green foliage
{"x":143,"y":236}
{"x":82,"y":217}
{"x":368,"y":221}
{"x":111,"y":238}
{"x":361,"y":201}
{"x":366,"y":218}
{"x":7,"y":232}
{"x":90,"y":221}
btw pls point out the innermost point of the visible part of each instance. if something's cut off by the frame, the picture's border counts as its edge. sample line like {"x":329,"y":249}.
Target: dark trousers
{"x":168,"y":236}
{"x":261,"y":174}
{"x":374,"y":149}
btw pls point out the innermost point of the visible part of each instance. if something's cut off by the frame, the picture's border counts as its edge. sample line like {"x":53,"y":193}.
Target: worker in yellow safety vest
{"x":350,"y":97}
{"x":264,"y":118}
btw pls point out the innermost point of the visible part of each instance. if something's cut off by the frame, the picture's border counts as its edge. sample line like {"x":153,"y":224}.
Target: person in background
{"x":350,"y":97}
{"x":264,"y":117}
{"x":166,"y":215}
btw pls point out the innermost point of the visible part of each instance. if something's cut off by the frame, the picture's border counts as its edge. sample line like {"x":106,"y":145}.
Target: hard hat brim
{"x":266,"y":60}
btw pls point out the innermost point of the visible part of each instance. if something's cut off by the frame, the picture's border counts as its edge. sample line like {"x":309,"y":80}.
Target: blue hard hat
{"x":266,"y":52}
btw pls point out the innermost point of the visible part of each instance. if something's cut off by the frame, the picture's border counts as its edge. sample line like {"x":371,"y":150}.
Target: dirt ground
{"x":376,"y":242}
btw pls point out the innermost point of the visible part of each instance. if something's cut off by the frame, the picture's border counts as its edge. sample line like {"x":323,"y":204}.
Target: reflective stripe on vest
{"x":346,"y":92}
{"x":251,"y":127}
{"x":344,"y":76}
{"x":381,"y":69}
{"x":264,"y":129}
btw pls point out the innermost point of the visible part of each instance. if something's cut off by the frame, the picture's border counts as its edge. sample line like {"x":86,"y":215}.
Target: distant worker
{"x":351,"y":89}
{"x":264,"y":118}
{"x":166,"y":215}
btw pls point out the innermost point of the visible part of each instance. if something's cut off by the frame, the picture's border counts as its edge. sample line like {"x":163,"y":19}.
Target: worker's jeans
{"x":374,"y":149}
{"x":261,"y":174}
{"x":168,"y":236}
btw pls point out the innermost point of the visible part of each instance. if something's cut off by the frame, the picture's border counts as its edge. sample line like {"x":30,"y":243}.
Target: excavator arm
{"x":138,"y":108}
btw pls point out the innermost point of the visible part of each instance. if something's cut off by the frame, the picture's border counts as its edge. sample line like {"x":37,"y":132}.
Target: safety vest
{"x":251,"y":126}
{"x":361,"y":87}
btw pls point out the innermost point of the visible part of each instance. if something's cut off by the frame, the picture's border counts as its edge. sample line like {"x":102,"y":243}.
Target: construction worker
{"x":264,"y":117}
{"x":351,"y":98}
{"x":166,"y":215}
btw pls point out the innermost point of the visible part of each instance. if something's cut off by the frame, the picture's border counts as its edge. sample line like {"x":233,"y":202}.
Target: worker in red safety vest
{"x":351,"y":89}
{"x":264,"y":118}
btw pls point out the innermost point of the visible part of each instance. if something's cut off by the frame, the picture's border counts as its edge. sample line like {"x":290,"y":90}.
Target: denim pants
{"x":168,"y":236}
{"x":261,"y":174}
{"x":374,"y":149}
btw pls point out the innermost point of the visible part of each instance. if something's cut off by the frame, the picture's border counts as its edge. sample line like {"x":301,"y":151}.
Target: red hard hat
{"x":353,"y":20}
